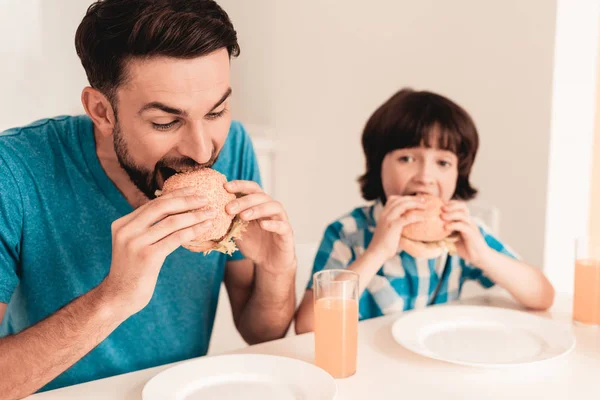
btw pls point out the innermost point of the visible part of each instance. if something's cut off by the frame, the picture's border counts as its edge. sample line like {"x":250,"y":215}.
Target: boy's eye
{"x":215,"y":115}
{"x":164,"y":127}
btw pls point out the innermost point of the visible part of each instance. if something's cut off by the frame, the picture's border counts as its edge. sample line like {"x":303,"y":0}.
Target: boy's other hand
{"x":471,"y":246}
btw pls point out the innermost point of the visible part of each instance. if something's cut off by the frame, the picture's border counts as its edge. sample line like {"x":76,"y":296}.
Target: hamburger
{"x":225,"y":228}
{"x":428,"y":238}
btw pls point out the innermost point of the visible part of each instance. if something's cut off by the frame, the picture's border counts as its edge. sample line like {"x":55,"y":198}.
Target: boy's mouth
{"x":419,"y":193}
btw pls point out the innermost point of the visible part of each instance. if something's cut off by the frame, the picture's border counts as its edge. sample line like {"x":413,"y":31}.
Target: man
{"x":83,"y":239}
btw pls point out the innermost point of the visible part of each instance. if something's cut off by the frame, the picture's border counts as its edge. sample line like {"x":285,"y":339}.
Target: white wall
{"x":595,"y":178}
{"x":570,"y":163}
{"x":314,"y":70}
{"x":40,"y":73}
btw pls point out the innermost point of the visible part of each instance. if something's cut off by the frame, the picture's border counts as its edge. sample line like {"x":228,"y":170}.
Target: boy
{"x":417,"y":144}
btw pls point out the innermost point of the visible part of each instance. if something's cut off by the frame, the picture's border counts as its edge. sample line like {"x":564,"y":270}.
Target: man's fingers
{"x":272,"y":210}
{"x":176,"y":223}
{"x":170,"y":243}
{"x":186,"y":191}
{"x":244,"y":187}
{"x":243,"y":203}
{"x":162,"y":208}
{"x":175,"y":193}
{"x":279,"y":227}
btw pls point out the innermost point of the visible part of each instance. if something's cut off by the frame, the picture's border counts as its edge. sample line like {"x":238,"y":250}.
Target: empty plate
{"x":242,"y":376}
{"x":482,"y":336}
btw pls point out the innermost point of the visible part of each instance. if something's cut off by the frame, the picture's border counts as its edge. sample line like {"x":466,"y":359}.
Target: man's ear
{"x":98,"y":108}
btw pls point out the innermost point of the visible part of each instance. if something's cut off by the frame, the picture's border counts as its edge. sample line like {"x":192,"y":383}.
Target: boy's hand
{"x":394,"y":217}
{"x":471,"y":246}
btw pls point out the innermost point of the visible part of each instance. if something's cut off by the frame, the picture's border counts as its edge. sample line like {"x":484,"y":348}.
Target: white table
{"x":387,"y":370}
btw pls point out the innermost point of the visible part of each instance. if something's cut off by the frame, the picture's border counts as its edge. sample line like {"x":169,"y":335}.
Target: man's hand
{"x":143,"y":239}
{"x":261,"y":287}
{"x":269,"y":239}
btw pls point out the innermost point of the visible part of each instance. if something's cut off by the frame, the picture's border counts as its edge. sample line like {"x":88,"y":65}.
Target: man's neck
{"x":108,"y":159}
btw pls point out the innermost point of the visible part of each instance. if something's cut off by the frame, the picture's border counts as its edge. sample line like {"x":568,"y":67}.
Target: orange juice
{"x":586,"y":301}
{"x":336,"y":331}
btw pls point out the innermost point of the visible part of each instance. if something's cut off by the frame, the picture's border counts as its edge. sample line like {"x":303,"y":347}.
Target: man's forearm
{"x":525,"y":283}
{"x":270,"y":309}
{"x":35,"y":356}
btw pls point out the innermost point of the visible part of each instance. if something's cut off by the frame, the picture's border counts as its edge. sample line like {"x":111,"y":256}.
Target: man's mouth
{"x":163,"y":174}
{"x":166,"y":168}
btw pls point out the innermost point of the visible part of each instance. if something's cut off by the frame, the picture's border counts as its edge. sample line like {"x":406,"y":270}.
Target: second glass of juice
{"x":586,"y":299}
{"x":336,"y":321}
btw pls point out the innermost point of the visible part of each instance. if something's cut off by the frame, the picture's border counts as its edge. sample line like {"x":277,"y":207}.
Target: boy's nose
{"x":425,"y":175}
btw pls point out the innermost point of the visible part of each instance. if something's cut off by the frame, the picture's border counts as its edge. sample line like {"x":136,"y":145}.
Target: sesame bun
{"x":428,"y":238}
{"x":432,"y":228}
{"x":210,"y":184}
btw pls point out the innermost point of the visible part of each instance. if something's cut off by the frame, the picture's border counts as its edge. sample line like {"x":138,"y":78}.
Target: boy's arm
{"x":525,"y":283}
{"x":304,"y":316}
{"x":476,"y":246}
{"x":366,"y":266}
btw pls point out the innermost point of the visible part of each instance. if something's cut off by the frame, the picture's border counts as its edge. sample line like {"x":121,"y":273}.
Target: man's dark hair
{"x":413,"y":119}
{"x":116,"y":31}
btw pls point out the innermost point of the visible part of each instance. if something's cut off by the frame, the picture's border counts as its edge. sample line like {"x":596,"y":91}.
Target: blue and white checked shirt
{"x":404,"y":282}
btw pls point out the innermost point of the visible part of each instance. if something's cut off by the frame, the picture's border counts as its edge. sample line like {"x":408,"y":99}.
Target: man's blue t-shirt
{"x":56,"y":209}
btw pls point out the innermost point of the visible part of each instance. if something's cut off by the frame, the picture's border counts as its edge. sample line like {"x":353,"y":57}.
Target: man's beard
{"x":147,"y":181}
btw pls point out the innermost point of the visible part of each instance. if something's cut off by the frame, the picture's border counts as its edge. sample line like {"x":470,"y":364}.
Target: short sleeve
{"x":335,"y":251}
{"x":473,"y":273}
{"x":11,"y":226}
{"x":496,"y":244}
{"x":249,"y":170}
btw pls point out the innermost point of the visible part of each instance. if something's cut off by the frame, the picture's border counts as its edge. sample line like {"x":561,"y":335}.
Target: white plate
{"x":482,"y":336}
{"x":242,"y":376}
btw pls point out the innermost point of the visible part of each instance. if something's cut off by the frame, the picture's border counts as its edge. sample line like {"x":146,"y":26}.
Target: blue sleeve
{"x":335,"y":252}
{"x":11,"y":226}
{"x":248,"y":167}
{"x":473,"y":273}
{"x":497,"y":245}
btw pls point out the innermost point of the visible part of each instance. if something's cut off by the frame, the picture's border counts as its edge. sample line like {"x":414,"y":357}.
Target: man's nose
{"x":197,"y":145}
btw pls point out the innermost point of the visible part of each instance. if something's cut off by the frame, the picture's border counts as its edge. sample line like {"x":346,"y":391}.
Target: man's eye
{"x":215,"y":115}
{"x":164,"y":127}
